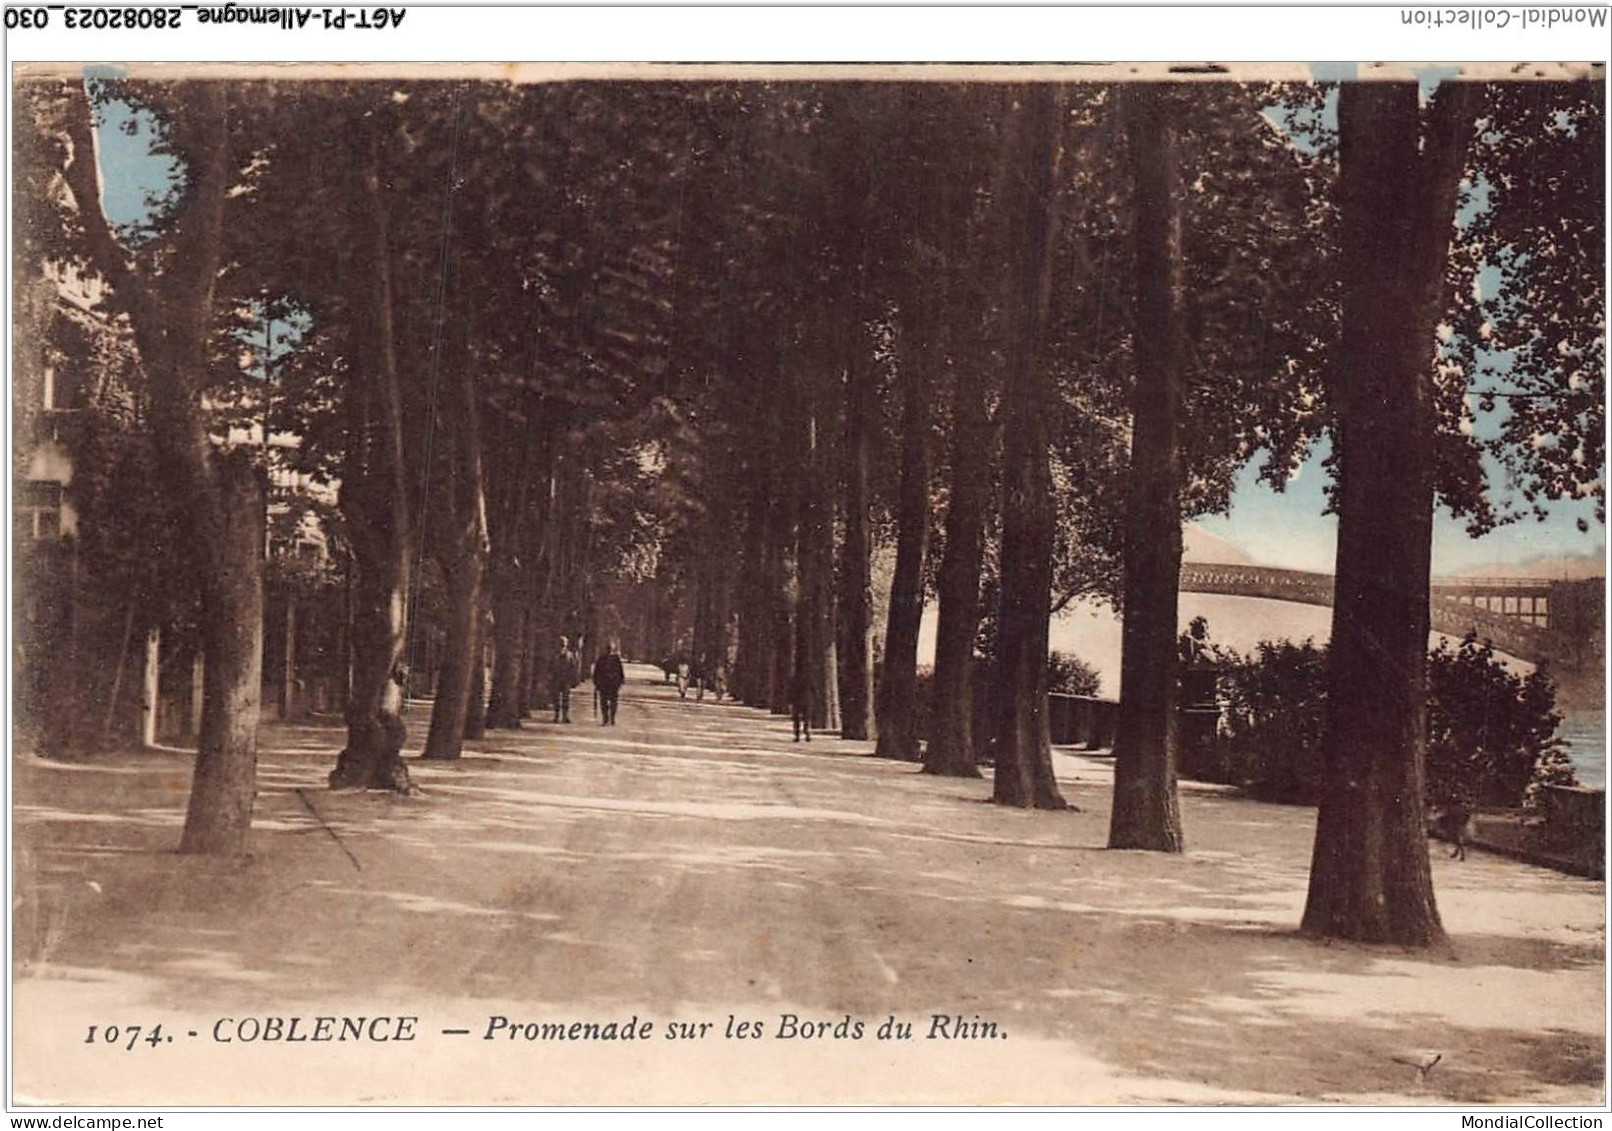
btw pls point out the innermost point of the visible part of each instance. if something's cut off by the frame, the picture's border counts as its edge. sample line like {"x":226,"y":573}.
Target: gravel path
{"x":774,"y":913}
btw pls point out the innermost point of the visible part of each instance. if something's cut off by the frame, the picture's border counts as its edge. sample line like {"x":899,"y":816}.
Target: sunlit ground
{"x":694,"y":863}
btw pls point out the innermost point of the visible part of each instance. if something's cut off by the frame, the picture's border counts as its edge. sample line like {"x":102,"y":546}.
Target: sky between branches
{"x":1287,"y":529}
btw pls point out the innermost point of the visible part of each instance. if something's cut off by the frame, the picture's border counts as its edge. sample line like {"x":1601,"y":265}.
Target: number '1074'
{"x":127,"y":1036}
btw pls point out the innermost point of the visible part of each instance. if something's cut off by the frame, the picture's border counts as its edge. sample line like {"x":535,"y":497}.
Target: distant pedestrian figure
{"x":800,"y":705}
{"x":682,"y":679}
{"x":1452,"y":824}
{"x":608,"y":676}
{"x":563,"y":676}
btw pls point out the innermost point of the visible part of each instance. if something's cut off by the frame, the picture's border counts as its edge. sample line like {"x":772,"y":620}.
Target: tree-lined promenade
{"x":692,"y":865}
{"x":680,"y":362}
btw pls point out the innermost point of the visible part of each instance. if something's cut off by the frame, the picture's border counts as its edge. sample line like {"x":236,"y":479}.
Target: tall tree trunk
{"x":172,"y":316}
{"x":814,"y":552}
{"x":151,"y":687}
{"x":898,"y":689}
{"x":751,"y":676}
{"x":1024,"y":774}
{"x":222,"y":790}
{"x":509,"y":645}
{"x":950,"y":747}
{"x":462,"y":556}
{"x":374,"y":489}
{"x":711,"y":603}
{"x":854,"y":607}
{"x":780,"y":653}
{"x":561,"y":607}
{"x":805,"y":692}
{"x":476,"y":707}
{"x":506,"y":577}
{"x":1146,"y":813}
{"x":1398,"y":182}
{"x":290,"y":707}
{"x":450,"y":709}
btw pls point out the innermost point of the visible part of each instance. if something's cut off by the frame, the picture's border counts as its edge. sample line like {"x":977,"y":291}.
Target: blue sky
{"x":130,"y":172}
{"x":1289,"y":529}
{"x":1279,"y":529}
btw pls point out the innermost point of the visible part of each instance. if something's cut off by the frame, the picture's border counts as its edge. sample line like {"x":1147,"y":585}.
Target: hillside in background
{"x":1198,"y":545}
{"x":1557,"y":567}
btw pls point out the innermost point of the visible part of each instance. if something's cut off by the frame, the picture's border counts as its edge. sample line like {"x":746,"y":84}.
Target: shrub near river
{"x":1491,"y":733}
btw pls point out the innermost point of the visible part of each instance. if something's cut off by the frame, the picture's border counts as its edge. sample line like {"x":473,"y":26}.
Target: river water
{"x":1092,"y":632}
{"x":1585,"y":733}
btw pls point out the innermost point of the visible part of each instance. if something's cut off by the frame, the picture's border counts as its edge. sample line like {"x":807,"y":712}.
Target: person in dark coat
{"x":562,"y":678}
{"x":608,"y":676}
{"x":800,"y":704}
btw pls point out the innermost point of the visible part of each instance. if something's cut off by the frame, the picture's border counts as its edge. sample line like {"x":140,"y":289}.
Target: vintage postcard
{"x":669,"y":583}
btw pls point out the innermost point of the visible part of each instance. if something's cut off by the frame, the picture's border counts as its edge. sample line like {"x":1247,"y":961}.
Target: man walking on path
{"x":800,"y":704}
{"x":608,"y":676}
{"x":563,"y":676}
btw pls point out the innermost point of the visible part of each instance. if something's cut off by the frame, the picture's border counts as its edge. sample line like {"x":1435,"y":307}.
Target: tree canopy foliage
{"x":683,"y":364}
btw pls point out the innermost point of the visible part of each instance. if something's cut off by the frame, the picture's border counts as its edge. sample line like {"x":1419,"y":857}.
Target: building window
{"x":38,"y":510}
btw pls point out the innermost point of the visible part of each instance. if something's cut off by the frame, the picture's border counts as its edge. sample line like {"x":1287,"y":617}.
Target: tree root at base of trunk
{"x":373,"y":758}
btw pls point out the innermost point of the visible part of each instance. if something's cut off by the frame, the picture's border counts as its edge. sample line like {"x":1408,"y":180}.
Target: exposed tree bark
{"x":751,"y":676}
{"x":712,"y":603}
{"x":476,"y":707}
{"x":374,"y":495}
{"x":509,"y":644}
{"x":289,"y":706}
{"x":806,"y":675}
{"x":950,"y":747}
{"x":171,"y":312}
{"x":1024,"y":774}
{"x":151,"y":687}
{"x":224,"y":786}
{"x":563,"y":604}
{"x":544,"y":584}
{"x":1399,"y":177}
{"x":1146,"y":813}
{"x":898,"y":689}
{"x":507,"y":577}
{"x":854,"y":607}
{"x":849,"y":221}
{"x":814,"y":547}
{"x":779,"y":653}
{"x":462,"y":555}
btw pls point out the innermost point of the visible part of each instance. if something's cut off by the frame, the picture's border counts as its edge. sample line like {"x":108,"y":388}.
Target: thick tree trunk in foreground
{"x":898,"y":737}
{"x":1023,"y":740}
{"x":1145,"y":812}
{"x":171,"y":312}
{"x":373,"y":493}
{"x":221,"y":793}
{"x":1398,"y":182}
